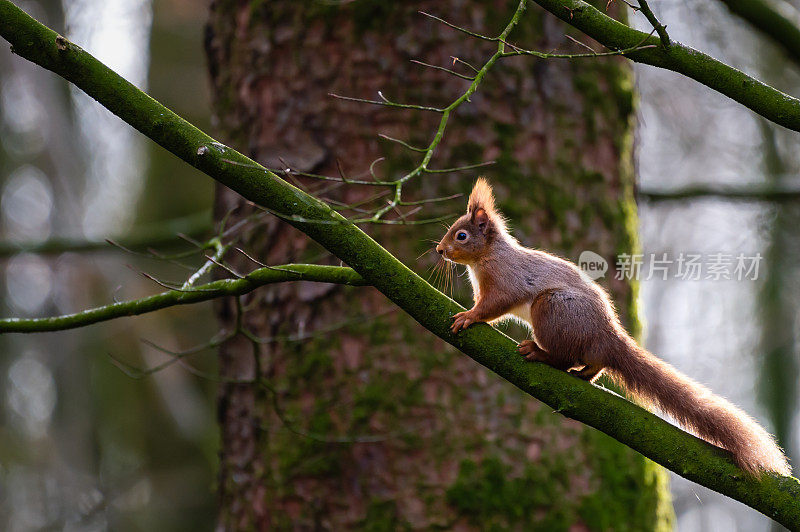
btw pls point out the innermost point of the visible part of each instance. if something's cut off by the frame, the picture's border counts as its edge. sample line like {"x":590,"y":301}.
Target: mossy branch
{"x":774,"y":496}
{"x":767,"y":101}
{"x":769,"y":193}
{"x":777,"y":20}
{"x":152,"y":235}
{"x":195,"y":294}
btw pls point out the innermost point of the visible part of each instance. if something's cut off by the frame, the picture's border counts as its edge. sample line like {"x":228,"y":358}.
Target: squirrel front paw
{"x":462,"y":320}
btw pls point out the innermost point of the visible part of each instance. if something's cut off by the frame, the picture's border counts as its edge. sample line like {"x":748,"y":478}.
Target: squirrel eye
{"x":461,"y":235}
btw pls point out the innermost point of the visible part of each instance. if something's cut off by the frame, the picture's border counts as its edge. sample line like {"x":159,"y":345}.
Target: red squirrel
{"x":576,"y":329}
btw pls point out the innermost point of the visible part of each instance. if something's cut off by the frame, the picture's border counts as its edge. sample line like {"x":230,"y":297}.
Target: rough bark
{"x":455,"y":446}
{"x":690,"y":457}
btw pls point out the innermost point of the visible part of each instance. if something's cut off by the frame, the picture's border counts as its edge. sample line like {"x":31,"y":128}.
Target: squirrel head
{"x":472,"y":235}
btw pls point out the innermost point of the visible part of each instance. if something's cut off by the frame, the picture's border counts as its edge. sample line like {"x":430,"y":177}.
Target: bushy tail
{"x":696,"y":409}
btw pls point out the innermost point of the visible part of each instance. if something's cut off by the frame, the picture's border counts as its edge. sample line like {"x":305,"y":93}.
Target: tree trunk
{"x":366,"y":420}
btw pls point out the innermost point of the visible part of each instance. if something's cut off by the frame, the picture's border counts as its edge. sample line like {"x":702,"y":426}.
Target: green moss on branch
{"x":213,"y":290}
{"x":767,"y":101}
{"x":776,"y":497}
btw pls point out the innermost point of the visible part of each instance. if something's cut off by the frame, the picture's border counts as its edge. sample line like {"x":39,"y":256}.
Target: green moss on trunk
{"x":772,"y":495}
{"x":561,"y":135}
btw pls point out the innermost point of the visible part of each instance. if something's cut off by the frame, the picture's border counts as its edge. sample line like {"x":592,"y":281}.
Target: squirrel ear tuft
{"x":481,"y":197}
{"x":481,"y":219}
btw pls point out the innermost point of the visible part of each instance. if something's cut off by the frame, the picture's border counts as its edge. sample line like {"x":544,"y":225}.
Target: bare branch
{"x":156,"y":234}
{"x":770,"y":194}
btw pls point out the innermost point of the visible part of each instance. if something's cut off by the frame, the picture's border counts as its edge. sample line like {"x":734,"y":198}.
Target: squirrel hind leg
{"x":533,"y":353}
{"x":571,"y":326}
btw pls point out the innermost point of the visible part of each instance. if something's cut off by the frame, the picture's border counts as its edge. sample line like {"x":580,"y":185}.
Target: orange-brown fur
{"x":576,"y":329}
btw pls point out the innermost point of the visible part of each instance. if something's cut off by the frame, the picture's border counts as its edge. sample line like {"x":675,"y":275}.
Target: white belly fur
{"x":521,"y":313}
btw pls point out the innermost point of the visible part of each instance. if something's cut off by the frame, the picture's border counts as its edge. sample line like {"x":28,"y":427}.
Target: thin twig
{"x":386,"y":103}
{"x":466,"y":64}
{"x":459,"y":168}
{"x":459,"y":28}
{"x":256,"y":261}
{"x":579,"y":43}
{"x":658,"y":26}
{"x":431,"y":200}
{"x":402,"y":143}
{"x":443,"y":69}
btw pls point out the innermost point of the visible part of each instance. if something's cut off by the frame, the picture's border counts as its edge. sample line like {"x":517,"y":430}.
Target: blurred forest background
{"x":85,"y":445}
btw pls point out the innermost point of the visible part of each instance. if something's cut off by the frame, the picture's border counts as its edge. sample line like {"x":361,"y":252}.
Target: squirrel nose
{"x":440,"y":249}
